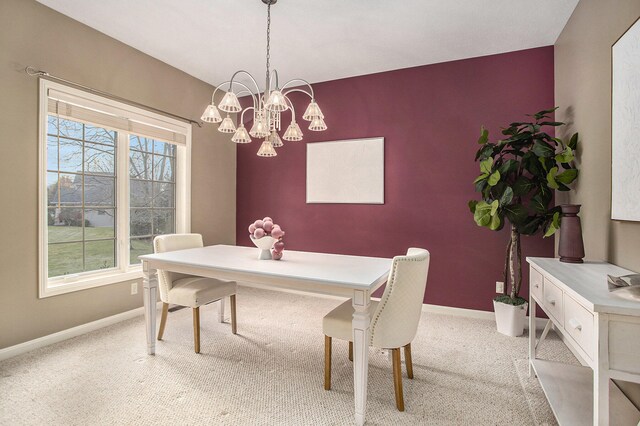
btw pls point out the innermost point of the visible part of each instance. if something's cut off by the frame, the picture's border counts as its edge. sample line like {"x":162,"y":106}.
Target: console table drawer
{"x":578,"y":322}
{"x":535,"y":278}
{"x":552,"y":301}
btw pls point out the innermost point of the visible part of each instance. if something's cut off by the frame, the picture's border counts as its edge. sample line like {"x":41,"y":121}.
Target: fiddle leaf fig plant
{"x":518,"y":175}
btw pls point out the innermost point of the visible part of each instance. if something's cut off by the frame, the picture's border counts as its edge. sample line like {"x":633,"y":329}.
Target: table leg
{"x":601,"y":373}
{"x":221,"y":310}
{"x":532,"y":333}
{"x":150,"y":286}
{"x":360,"y":331}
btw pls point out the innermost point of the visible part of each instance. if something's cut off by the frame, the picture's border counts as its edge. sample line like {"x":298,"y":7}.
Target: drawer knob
{"x":575,"y":324}
{"x":551,"y":302}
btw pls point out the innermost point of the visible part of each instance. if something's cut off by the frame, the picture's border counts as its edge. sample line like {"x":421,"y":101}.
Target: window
{"x":112,"y":178}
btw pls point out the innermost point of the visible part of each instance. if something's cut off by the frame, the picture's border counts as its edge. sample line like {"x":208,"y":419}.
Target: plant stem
{"x":515,"y":267}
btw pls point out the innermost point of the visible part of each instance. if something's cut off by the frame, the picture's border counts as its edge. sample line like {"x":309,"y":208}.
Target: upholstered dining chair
{"x":188,"y":290}
{"x":394,"y":319}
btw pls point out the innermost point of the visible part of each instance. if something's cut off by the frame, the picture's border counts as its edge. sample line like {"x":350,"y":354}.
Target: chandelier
{"x":267,"y":108}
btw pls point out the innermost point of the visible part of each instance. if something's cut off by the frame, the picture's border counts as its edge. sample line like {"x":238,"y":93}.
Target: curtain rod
{"x":39,"y":73}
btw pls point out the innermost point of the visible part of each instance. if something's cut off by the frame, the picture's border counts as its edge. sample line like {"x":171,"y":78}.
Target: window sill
{"x":48,"y":289}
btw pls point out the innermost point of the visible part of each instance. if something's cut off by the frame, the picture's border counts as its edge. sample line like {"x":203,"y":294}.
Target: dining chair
{"x":188,"y":290}
{"x":394,"y":319}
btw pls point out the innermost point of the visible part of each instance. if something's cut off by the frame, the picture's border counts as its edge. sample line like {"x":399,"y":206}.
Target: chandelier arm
{"x":293,"y":111}
{"x":274,"y":72}
{"x":300,"y":80}
{"x":243,"y":111}
{"x":248,"y":75}
{"x":238,"y":83}
{"x":299,"y":90}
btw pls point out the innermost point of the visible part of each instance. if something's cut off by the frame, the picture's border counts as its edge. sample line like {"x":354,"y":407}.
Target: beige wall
{"x":32,"y":34}
{"x":583,"y":92}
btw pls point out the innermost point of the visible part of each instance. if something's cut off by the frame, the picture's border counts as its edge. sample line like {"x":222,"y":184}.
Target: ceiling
{"x":320,"y":40}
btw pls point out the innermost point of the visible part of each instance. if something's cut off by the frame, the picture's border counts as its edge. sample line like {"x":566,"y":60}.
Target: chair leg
{"x":351,"y":351}
{"x":234,"y":327}
{"x":163,"y":320}
{"x":196,"y":329}
{"x":397,"y":378}
{"x":327,"y":362}
{"x":407,"y":360}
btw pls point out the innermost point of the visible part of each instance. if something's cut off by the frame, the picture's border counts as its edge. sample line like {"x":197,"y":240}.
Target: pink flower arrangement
{"x":266,"y":228}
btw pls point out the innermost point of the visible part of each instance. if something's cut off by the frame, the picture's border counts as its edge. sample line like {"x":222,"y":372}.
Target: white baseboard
{"x":50,"y":339}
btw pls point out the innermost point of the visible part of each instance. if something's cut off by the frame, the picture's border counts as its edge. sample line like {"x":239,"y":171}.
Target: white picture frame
{"x":625,"y":125}
{"x":346,"y":172}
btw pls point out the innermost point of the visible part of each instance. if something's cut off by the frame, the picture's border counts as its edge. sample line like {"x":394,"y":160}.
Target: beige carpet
{"x":271,"y":374}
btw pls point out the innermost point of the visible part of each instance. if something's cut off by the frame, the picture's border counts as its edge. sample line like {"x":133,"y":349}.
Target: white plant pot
{"x":509,"y":318}
{"x":264,"y":244}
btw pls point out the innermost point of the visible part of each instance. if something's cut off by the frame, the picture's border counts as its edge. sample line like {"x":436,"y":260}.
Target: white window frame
{"x":123,"y":271}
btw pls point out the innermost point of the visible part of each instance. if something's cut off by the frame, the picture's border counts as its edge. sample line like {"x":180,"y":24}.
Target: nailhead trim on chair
{"x":391,"y":284}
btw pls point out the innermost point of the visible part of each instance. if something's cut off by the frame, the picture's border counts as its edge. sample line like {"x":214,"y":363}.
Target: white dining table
{"x":355,"y":277}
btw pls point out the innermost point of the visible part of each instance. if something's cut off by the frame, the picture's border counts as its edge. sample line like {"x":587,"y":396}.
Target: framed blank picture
{"x":346,"y":172}
{"x":625,"y":126}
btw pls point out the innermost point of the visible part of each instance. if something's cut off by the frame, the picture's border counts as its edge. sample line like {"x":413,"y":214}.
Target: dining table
{"x":354,"y":277}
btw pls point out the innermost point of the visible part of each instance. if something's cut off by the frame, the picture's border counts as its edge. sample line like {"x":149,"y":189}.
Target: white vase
{"x":264,"y":244}
{"x":510,"y":319}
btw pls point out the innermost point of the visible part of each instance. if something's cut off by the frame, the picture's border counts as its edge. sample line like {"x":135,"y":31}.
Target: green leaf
{"x":481,"y":177}
{"x":482,"y":214}
{"x":523,"y":186}
{"x":507,"y":167}
{"x":485,"y":166}
{"x":551,"y":178}
{"x":495,"y":223}
{"x":516,"y":213}
{"x":553,"y":226}
{"x":565,"y":156}
{"x":573,"y":142}
{"x":567,"y":176}
{"x":494,"y":178}
{"x":541,"y":114}
{"x":542,"y":149}
{"x":538,"y":203}
{"x":472,"y":205}
{"x":506,"y":197}
{"x":494,"y":207}
{"x":484,"y":136}
{"x":552,"y":123}
{"x":484,"y":152}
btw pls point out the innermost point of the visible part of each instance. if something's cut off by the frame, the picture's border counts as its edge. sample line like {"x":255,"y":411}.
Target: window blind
{"x":93,"y":112}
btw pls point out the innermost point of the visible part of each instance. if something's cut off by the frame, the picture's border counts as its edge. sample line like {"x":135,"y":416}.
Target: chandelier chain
{"x":268,"y":39}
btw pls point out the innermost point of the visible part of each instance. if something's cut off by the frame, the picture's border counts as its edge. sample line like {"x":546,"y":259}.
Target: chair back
{"x":395,"y":321}
{"x":173,"y":242}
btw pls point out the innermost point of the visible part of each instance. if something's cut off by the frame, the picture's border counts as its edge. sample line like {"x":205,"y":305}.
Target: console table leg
{"x":532,"y":334}
{"x":360,"y":333}
{"x":601,"y":373}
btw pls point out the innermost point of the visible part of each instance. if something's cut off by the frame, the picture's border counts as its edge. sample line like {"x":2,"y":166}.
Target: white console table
{"x":603,"y":329}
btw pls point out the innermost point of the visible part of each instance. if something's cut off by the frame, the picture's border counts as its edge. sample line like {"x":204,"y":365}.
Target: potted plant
{"x":517,"y":177}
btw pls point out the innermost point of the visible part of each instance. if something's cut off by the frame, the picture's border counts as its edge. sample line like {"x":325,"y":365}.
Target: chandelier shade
{"x":227,"y":125}
{"x":211,"y":115}
{"x":293,"y":133}
{"x":241,"y":135}
{"x":275,"y":139}
{"x":260,"y":129}
{"x":230,"y":103}
{"x":317,"y":125}
{"x":270,"y":106}
{"x":266,"y":149}
{"x":312,"y":111}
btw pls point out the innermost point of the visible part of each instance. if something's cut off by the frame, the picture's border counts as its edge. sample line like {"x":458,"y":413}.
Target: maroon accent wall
{"x":430,"y":117}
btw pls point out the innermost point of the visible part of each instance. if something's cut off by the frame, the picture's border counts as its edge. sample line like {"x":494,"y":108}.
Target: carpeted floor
{"x":271,"y":373}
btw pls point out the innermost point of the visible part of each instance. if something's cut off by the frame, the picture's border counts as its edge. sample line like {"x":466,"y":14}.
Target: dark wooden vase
{"x":571,"y":247}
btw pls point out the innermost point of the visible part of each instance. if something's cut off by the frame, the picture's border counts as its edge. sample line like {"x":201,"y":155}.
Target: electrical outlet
{"x":499,"y":287}
{"x":134,"y":288}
